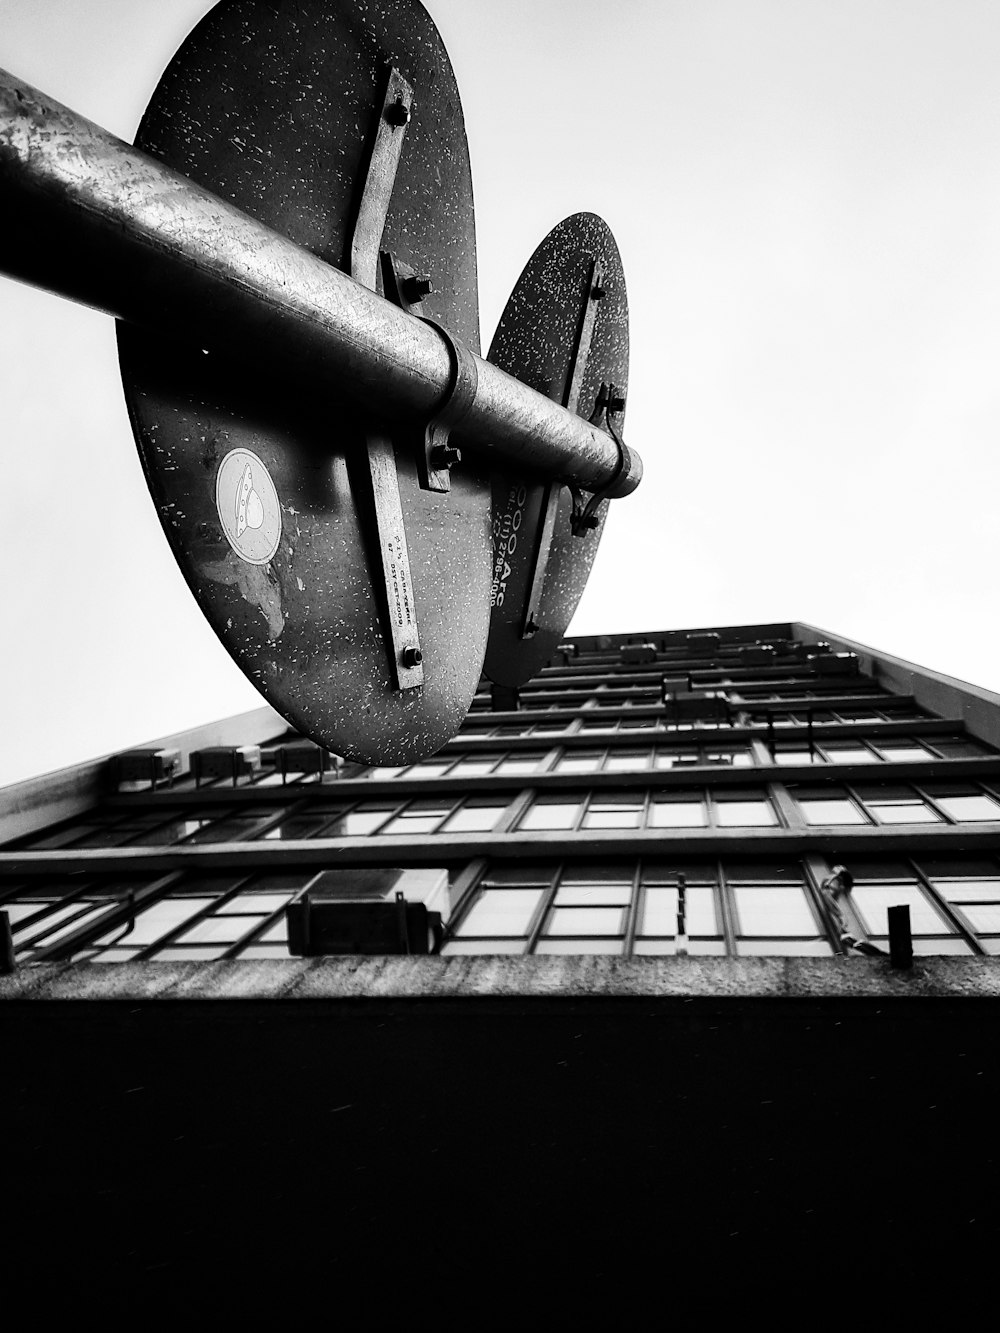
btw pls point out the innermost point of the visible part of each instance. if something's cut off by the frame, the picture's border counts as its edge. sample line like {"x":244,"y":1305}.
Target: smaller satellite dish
{"x":564,"y":332}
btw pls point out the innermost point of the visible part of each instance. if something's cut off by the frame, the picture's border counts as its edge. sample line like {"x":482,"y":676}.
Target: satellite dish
{"x":293,"y":514}
{"x":564,"y":332}
{"x":291,"y":247}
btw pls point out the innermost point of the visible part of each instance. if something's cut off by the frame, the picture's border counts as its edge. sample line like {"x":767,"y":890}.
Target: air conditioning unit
{"x":384,"y":911}
{"x":152,"y":766}
{"x":301,"y":757}
{"x":225,"y":761}
{"x":757,"y":654}
{"x":694,"y":706}
{"x":835,"y":664}
{"x":703,"y":645}
{"x":635,"y":654}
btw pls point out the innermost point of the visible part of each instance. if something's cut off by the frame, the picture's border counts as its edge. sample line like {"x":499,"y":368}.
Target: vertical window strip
{"x":462,"y":890}
{"x":632,"y":920}
{"x":725,"y":910}
{"x":515,"y":809}
{"x":815,"y":870}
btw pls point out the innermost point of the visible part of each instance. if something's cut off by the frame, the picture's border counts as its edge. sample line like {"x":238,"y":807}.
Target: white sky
{"x":806,"y":196}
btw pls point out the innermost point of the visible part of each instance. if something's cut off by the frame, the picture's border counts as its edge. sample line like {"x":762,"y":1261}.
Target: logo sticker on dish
{"x":248,"y":506}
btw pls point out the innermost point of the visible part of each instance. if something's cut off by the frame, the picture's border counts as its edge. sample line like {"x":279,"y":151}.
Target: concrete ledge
{"x":498,"y":977}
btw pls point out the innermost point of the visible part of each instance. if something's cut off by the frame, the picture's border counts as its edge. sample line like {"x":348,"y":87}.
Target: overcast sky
{"x":806,"y":195}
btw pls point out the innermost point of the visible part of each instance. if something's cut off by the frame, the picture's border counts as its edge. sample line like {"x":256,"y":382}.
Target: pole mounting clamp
{"x":584,"y":516}
{"x":438,"y":456}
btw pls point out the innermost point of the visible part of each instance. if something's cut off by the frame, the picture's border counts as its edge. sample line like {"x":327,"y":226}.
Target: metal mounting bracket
{"x":390,"y":552}
{"x":382,"y":166}
{"x":437,"y":457}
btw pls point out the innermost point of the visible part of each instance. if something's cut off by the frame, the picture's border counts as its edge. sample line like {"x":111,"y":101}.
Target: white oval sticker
{"x":248,"y":506}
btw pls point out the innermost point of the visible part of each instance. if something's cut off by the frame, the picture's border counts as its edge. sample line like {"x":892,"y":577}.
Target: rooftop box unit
{"x":301,"y":757}
{"x":635,"y":654}
{"x":757,"y":654}
{"x":695,"y":707}
{"x":225,"y":761}
{"x":152,"y":766}
{"x":835,"y":664}
{"x":381,"y":911}
{"x":703,"y":645}
{"x":673,"y":684}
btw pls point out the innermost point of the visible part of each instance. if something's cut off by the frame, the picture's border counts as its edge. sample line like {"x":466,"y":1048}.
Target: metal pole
{"x":89,"y":217}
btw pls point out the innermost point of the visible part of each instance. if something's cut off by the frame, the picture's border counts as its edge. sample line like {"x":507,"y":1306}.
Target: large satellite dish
{"x":291,"y":248}
{"x":294,"y":516}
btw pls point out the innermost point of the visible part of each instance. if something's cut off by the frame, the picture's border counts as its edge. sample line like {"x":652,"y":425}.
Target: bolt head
{"x":445,"y":455}
{"x":412,"y":657}
{"x":397,"y":113}
{"x":598,"y":292}
{"x":416,"y":288}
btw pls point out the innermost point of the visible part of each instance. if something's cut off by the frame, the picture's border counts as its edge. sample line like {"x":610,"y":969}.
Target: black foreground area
{"x":199,"y":1159}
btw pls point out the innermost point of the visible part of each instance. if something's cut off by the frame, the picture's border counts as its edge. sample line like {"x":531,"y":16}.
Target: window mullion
{"x":727,"y":910}
{"x":632,"y":916}
{"x":515,"y":809}
{"x":542,"y":911}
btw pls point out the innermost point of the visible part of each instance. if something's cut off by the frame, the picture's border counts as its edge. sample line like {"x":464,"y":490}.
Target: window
{"x":788,"y":758}
{"x":614,"y":811}
{"x":504,"y":912}
{"x":774,"y":910}
{"x":675,"y":758}
{"x":580,"y":761}
{"x":834,"y":807}
{"x":970,"y":808}
{"x":660,"y":907}
{"x":625,"y":761}
{"x":475,"y":767}
{"x":773,"y":913}
{"x":429,"y":768}
{"x":901,"y":752}
{"x":364,"y":818}
{"x":914,"y":811}
{"x":419,"y":817}
{"x":478,"y":815}
{"x":745,"y":812}
{"x":874,"y":900}
{"x":971,"y":886}
{"x":518,"y":764}
{"x":847,"y":752}
{"x":685,"y":810}
{"x":551,"y":812}
{"x":960,"y":748}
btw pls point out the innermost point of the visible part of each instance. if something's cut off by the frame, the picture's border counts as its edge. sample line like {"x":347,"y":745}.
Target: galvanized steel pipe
{"x":94,"y":219}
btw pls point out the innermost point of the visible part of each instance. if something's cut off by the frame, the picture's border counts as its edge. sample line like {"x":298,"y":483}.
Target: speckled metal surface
{"x":534,"y":342}
{"x":274,"y":106}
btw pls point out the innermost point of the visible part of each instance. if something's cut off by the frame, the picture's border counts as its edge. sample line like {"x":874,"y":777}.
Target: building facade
{"x":663,"y":871}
